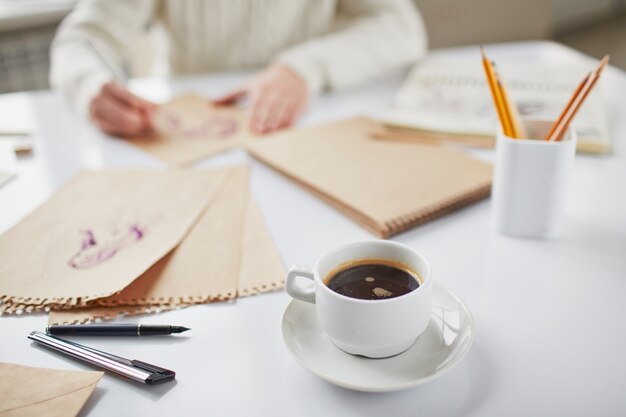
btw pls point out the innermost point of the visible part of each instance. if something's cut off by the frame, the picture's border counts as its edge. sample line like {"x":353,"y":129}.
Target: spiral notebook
{"x":388,"y":187}
{"x":448,"y":98}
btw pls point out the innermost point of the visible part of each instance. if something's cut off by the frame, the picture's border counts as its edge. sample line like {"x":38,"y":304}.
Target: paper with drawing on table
{"x":190,"y":128}
{"x":260,"y":270}
{"x":204,"y":266}
{"x":28,"y":391}
{"x":98,"y":233}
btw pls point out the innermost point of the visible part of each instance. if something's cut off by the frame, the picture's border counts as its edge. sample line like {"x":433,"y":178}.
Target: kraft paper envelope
{"x":260,"y":270}
{"x":205,"y":265}
{"x":387,"y":187}
{"x":190,"y":128}
{"x":26,"y":391}
{"x":98,"y":233}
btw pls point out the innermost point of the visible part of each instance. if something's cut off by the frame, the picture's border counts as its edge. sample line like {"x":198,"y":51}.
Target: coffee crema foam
{"x":373,"y":279}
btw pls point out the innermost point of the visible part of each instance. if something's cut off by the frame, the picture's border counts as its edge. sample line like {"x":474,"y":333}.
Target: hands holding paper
{"x":277,"y":97}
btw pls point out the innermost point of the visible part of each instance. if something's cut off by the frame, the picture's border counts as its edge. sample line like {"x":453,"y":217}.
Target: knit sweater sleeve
{"x":373,"y":36}
{"x":92,"y":46}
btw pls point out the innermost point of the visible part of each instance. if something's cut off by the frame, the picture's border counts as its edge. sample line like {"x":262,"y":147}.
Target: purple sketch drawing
{"x":215,"y":126}
{"x":93,"y":252}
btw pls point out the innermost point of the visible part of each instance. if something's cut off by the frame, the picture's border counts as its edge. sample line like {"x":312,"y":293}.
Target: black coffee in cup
{"x":372,"y":279}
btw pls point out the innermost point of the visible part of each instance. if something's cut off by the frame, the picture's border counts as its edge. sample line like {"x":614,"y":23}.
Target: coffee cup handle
{"x":297,"y":292}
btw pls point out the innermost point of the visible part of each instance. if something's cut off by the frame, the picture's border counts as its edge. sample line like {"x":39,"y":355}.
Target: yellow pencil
{"x":517,"y":128}
{"x":498,"y":101}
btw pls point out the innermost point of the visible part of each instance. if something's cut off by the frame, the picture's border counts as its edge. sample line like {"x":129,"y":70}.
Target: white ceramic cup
{"x":530,"y":181}
{"x":372,"y":328}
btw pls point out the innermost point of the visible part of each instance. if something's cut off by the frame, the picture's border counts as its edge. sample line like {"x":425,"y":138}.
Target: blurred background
{"x":595,"y":27}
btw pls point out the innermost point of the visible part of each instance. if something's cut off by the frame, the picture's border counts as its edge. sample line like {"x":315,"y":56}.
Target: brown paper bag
{"x":100,"y":232}
{"x":26,"y":391}
{"x":190,"y":128}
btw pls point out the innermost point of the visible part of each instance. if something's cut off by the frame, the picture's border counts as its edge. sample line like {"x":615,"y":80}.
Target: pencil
{"x":517,"y":128}
{"x":568,"y":105}
{"x":572,"y":107}
{"x":495,"y":94}
{"x":430,"y":138}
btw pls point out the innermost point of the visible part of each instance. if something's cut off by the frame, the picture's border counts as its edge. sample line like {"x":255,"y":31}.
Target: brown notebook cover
{"x":388,"y":187}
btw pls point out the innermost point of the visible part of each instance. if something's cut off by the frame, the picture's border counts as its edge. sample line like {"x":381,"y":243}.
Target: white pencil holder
{"x":530,"y":181}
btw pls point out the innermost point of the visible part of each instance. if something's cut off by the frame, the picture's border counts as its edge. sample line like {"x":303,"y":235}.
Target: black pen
{"x":119,"y":329}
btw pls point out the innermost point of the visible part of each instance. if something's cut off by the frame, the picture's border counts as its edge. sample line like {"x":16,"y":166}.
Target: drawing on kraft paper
{"x":214,"y":126}
{"x":95,"y":250}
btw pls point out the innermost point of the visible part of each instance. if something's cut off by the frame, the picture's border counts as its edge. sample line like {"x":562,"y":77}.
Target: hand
{"x":277,"y":97}
{"x":117,"y":111}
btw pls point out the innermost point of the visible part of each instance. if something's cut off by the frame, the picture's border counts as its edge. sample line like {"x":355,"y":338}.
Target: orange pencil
{"x":560,"y":126}
{"x":568,"y":105}
{"x":496,"y":95}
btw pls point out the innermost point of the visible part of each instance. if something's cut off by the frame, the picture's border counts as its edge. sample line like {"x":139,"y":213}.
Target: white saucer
{"x":443,"y":344}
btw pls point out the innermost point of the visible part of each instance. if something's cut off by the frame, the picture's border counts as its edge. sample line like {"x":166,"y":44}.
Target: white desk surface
{"x":550,"y":334}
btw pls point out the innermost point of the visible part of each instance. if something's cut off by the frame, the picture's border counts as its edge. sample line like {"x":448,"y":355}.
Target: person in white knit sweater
{"x":306,"y":46}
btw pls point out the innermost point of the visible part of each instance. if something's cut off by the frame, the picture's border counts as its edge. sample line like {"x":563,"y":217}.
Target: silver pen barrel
{"x":91,"y":356}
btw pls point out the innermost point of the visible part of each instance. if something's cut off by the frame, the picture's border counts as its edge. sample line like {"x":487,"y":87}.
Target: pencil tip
{"x":482,"y":51}
{"x":603,"y":62}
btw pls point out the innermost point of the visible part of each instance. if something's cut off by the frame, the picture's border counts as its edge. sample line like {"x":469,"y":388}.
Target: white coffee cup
{"x":372,"y":328}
